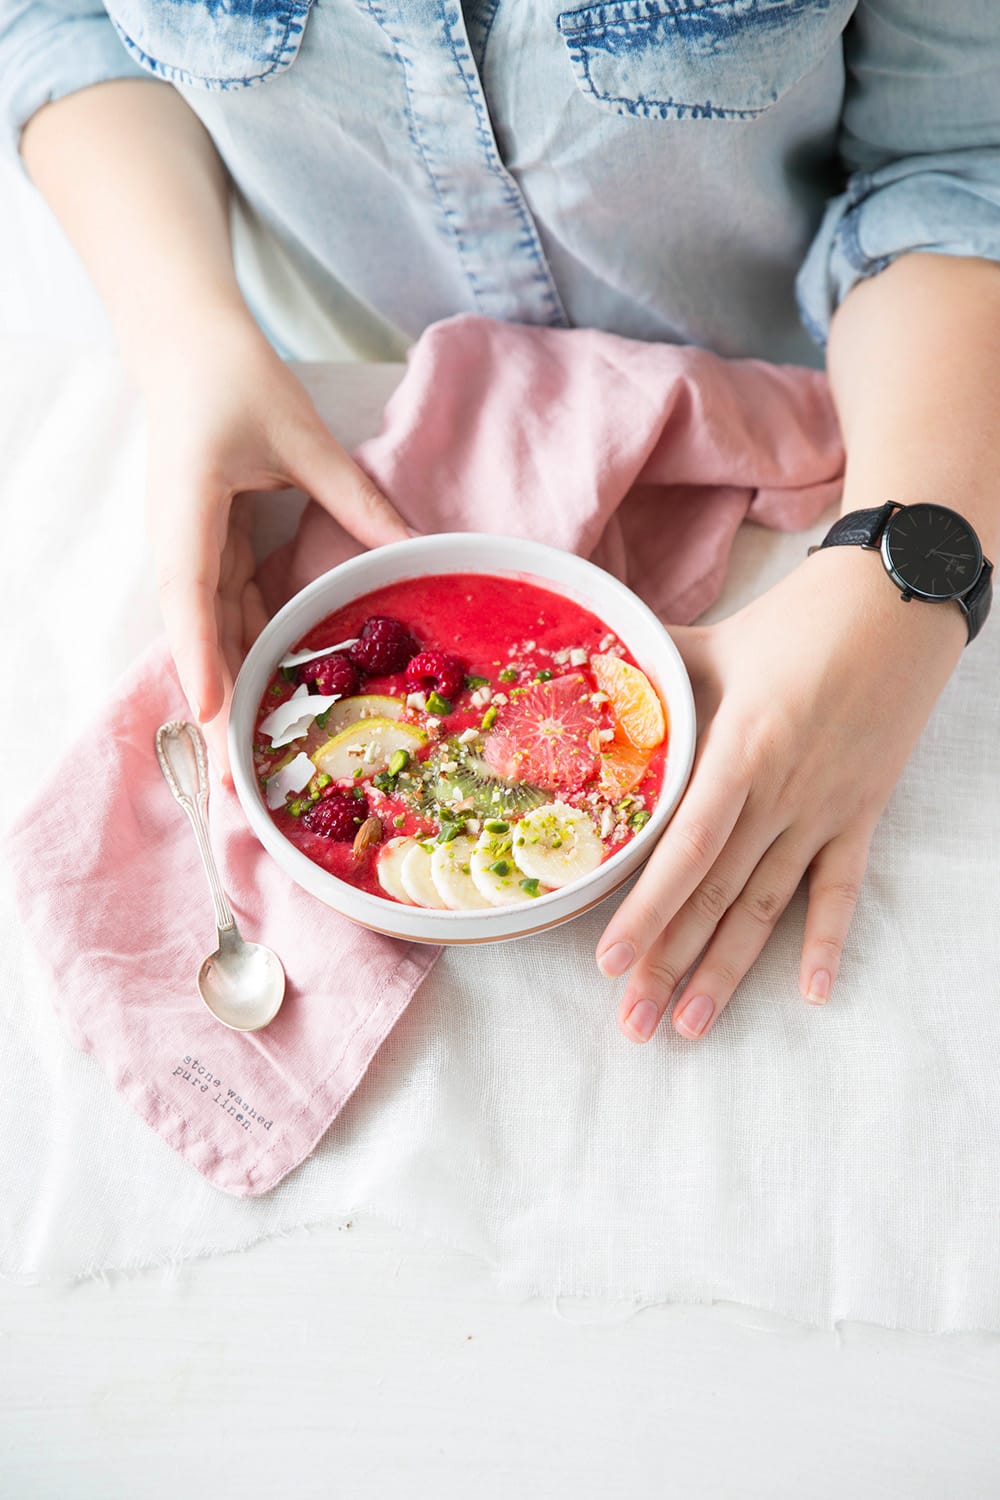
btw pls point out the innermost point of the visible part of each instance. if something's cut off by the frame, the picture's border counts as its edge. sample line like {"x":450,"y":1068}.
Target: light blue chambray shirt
{"x":666,"y":169}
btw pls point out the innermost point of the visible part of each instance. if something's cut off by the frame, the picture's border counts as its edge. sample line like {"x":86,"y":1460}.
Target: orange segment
{"x":637,"y":709}
{"x":622,"y":768}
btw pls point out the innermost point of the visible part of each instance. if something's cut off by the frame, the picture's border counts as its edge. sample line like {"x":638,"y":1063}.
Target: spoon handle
{"x":180,"y":749}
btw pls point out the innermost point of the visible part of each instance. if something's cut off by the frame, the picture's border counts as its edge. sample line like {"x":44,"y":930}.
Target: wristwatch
{"x":929,"y":552}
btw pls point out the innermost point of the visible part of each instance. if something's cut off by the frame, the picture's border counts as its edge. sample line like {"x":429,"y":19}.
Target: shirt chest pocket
{"x":211,"y":44}
{"x":699,"y":59}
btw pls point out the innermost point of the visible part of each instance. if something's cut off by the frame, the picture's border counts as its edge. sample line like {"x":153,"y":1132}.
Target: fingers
{"x":331,"y":477}
{"x":240,"y":615}
{"x":733,"y":928}
{"x":730,"y":916}
{"x":740,"y":937}
{"x":188,"y":549}
{"x":660,"y":972}
{"x":835,"y":877}
{"x":216,"y":734}
{"x":255,"y":616}
{"x":686,"y":852}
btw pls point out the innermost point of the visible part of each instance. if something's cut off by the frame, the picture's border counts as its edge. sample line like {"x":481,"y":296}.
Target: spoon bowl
{"x":241,"y":983}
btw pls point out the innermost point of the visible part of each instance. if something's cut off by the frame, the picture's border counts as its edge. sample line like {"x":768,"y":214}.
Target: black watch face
{"x":931,"y":551}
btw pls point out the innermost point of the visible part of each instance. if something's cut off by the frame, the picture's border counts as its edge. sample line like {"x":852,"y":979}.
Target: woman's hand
{"x":143,"y":195}
{"x":809,"y":702}
{"x":226,"y":418}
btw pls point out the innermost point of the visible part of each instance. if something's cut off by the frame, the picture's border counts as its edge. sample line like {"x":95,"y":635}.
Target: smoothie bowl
{"x":462,"y":738}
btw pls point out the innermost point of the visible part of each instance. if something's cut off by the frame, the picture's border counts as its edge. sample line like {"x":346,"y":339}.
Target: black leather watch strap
{"x":859,"y":528}
{"x":976,"y":603}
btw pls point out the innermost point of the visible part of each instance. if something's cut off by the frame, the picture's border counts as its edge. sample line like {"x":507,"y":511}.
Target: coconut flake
{"x":298,"y":657}
{"x":292,"y":719}
{"x":291,"y":778}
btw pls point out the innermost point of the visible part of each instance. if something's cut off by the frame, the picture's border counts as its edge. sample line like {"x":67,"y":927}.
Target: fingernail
{"x":641,"y":1020}
{"x":695,"y":1016}
{"x":411,"y":531}
{"x":818,"y":992}
{"x":616,"y":960}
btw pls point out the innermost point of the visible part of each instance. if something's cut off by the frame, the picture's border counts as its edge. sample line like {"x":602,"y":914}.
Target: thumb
{"x":327,"y":473}
{"x":695,"y":644}
{"x":186,"y":525}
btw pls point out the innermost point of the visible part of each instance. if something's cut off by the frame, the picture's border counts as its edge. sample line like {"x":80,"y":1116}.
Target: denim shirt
{"x":714,"y":171}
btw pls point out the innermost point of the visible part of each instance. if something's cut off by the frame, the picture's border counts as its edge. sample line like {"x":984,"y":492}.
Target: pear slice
{"x":367,"y":745}
{"x":363,"y":706}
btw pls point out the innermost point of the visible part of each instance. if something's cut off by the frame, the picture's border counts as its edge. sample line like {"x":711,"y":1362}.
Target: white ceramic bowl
{"x":466,"y":552}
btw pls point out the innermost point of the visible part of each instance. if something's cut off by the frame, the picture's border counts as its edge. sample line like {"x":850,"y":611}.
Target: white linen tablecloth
{"x":823,"y":1164}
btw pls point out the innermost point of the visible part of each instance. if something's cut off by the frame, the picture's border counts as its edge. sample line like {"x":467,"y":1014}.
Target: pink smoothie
{"x":511,"y":636}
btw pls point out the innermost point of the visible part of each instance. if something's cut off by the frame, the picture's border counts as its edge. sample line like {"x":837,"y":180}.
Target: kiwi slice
{"x":475,"y":783}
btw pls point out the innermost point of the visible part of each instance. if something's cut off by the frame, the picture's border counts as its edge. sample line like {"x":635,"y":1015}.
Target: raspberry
{"x":384,"y":645}
{"x":338,"y":816}
{"x":331,"y":674}
{"x":436,"y":672}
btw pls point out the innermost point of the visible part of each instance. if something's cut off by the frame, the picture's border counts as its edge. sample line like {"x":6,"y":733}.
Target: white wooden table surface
{"x":354,"y":1361}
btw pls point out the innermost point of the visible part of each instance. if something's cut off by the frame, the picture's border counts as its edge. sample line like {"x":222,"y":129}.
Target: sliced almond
{"x":369,"y":833}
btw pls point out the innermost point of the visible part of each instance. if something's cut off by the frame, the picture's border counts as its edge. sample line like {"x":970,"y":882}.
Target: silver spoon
{"x":243,"y":984}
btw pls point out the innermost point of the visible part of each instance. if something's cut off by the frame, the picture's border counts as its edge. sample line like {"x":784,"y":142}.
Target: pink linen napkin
{"x":644,"y":457}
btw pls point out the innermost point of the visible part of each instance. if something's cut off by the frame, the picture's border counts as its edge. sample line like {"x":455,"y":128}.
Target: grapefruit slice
{"x":634,"y":703}
{"x":547,"y":735}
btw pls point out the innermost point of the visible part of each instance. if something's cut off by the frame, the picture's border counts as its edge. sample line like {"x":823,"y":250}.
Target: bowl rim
{"x":611,"y":873}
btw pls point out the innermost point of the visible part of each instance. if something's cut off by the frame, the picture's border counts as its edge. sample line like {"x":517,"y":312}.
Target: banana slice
{"x":452,"y":875}
{"x":389,"y":867}
{"x":418,"y":883}
{"x":493,"y":870}
{"x":556,"y":844}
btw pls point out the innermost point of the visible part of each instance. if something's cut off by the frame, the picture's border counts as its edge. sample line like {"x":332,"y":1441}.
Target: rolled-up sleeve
{"x":919,"y":142}
{"x":48,"y":50}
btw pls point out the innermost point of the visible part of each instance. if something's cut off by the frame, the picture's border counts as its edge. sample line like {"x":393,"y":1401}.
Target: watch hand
{"x":943,"y":542}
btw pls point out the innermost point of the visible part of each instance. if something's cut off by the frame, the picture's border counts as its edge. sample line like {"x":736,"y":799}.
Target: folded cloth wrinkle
{"x":644,"y":457}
